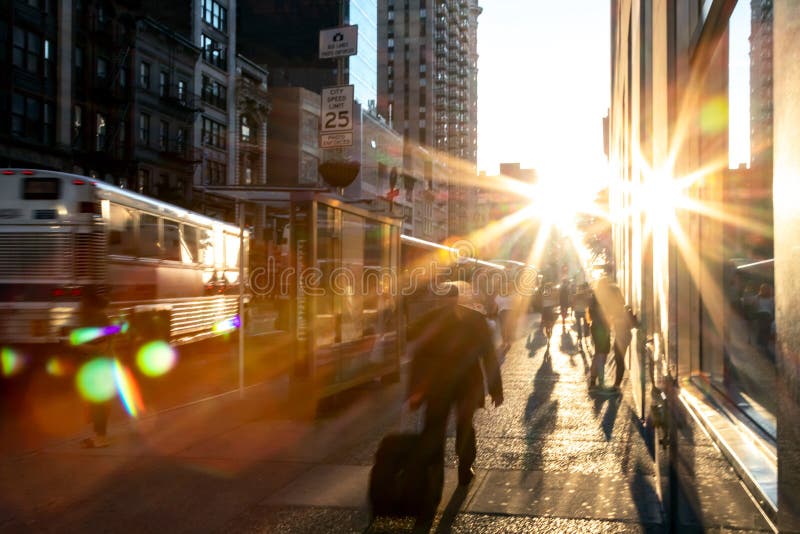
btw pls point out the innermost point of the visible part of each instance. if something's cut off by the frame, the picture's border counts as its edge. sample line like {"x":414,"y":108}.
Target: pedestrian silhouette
{"x":453,"y":357}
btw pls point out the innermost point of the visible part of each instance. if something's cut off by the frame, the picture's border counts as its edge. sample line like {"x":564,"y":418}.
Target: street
{"x":552,"y":458}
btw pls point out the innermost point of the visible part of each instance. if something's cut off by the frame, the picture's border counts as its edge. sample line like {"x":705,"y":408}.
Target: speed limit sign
{"x":336,"y":116}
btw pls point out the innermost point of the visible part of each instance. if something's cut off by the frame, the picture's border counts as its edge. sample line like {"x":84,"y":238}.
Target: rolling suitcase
{"x":404,"y":481}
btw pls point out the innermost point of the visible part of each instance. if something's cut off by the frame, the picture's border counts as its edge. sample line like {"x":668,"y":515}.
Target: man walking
{"x":454,"y":355}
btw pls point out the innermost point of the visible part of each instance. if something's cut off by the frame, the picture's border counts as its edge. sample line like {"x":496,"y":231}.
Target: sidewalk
{"x":552,"y":458}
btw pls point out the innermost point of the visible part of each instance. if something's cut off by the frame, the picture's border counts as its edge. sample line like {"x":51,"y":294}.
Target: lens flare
{"x":156,"y":358}
{"x":79,"y":336}
{"x":95,"y":380}
{"x":56,"y":367}
{"x":227,"y":325}
{"x":11,"y":362}
{"x":128,"y":390}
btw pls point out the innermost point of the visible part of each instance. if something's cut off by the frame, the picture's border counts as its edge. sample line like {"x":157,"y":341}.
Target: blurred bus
{"x":167,"y":272}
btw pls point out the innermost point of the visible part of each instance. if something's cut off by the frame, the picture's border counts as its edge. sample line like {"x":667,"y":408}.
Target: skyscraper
{"x":428,"y":86}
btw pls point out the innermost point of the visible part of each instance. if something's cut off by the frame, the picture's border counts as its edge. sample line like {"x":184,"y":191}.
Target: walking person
{"x":624,"y":321}
{"x":549,"y":302}
{"x":93,"y":315}
{"x":580,"y":302}
{"x":453,"y":357}
{"x":504,"y":304}
{"x":599,"y":326}
{"x":564,"y":294}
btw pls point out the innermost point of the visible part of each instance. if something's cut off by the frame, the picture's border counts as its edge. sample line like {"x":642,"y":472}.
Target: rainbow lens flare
{"x":11,"y":362}
{"x":95,"y":380}
{"x":227,"y":325}
{"x":79,"y":336}
{"x":156,"y":358}
{"x":128,"y":390}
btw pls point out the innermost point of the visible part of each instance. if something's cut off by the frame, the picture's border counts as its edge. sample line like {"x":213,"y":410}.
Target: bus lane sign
{"x":336,"y":116}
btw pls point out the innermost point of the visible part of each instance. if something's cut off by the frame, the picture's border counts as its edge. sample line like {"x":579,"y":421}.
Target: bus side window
{"x":172,"y":240}
{"x":149,"y":242}
{"x":121,"y":239}
{"x":205,"y":247}
{"x":189,"y":245}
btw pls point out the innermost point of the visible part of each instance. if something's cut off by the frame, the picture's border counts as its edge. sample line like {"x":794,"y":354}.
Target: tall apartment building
{"x":428,"y":90}
{"x":211,"y":26}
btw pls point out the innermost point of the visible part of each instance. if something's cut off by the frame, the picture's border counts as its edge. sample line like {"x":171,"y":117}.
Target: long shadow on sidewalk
{"x":541,"y":411}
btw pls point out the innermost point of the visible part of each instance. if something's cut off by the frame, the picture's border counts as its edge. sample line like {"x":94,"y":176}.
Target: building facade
{"x":164,"y":113}
{"x":29,"y":93}
{"x":252,"y":108}
{"x":293,"y":153}
{"x":674,"y":131}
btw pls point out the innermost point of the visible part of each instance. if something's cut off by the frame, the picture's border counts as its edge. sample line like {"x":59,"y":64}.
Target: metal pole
{"x":340,"y":81}
{"x":240,"y":205}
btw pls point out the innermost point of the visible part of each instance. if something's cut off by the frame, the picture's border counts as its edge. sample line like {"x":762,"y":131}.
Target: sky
{"x":543,"y":85}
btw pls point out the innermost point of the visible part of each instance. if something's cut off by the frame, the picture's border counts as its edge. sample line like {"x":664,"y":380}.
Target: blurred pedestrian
{"x":564,"y":294}
{"x":600,"y":328}
{"x":453,"y":356}
{"x":580,"y":302}
{"x":549,"y":303}
{"x":93,"y":340}
{"x":624,"y":322}
{"x":504,"y":304}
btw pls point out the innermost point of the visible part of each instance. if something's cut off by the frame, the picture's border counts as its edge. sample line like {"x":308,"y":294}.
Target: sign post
{"x":338,"y":42}
{"x":336,"y":116}
{"x":336,"y":112}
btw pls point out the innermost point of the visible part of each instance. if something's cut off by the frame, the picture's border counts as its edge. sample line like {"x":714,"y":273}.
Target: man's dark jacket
{"x":451,"y":345}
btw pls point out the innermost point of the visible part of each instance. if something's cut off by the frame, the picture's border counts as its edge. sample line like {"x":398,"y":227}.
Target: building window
{"x":100,"y":135}
{"x":213,"y":52}
{"x":102,"y":68}
{"x":144,"y":75}
{"x":215,"y":15}
{"x":78,"y":57}
{"x":27,"y":50}
{"x":49,"y":130}
{"x":143,"y":181}
{"x":213,"y":133}
{"x":215,"y":173}
{"x":77,"y":120}
{"x":163,"y":135}
{"x":48,"y":59}
{"x":181,"y":90}
{"x":214,"y":93}
{"x":180,"y":140}
{"x":163,"y":83}
{"x":245,"y":130}
{"x":26,"y":117}
{"x":144,"y":129}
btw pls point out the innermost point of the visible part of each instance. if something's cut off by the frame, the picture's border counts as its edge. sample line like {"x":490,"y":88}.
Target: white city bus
{"x":168,"y":270}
